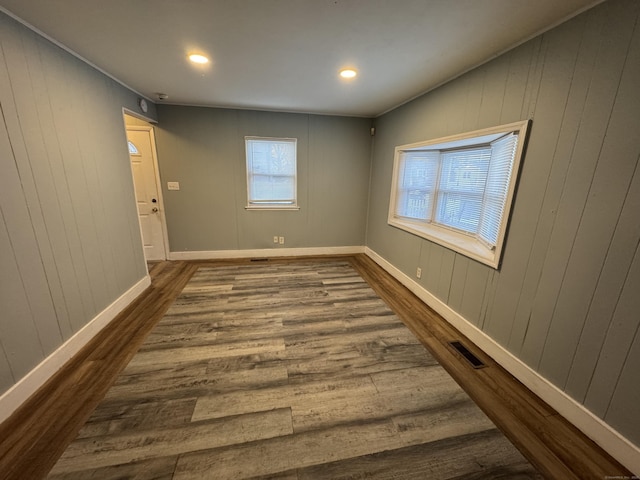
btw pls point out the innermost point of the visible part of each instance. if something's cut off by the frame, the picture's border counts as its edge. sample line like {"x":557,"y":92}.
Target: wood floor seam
{"x":290,"y":369}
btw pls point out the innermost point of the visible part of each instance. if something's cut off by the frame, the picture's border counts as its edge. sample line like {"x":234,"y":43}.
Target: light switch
{"x":173,"y":185}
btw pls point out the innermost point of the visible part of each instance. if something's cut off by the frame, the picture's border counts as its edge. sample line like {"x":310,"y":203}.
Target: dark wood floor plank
{"x":34,"y":437}
{"x":123,"y":448}
{"x":485,"y":455}
{"x":161,"y":468}
{"x":519,"y":413}
{"x":286,"y":369}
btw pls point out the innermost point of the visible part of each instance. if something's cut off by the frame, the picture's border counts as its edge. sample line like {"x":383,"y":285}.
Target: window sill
{"x":458,"y":242}
{"x":272,"y":207}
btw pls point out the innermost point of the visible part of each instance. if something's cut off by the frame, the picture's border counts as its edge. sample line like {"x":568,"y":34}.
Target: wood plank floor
{"x":287,"y":369}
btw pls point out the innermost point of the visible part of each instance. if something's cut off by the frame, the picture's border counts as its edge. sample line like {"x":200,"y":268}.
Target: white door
{"x":143,"y":165}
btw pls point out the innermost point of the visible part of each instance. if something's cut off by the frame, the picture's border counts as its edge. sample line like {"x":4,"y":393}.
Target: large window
{"x":271,"y":173}
{"x":457,"y":191}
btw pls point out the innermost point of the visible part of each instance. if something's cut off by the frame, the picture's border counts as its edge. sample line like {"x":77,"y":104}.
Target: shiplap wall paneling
{"x":88,"y":204}
{"x":35,"y":173}
{"x":561,"y":302}
{"x":195,"y":146}
{"x":257,"y":228}
{"x":57,"y":126}
{"x":615,"y":166}
{"x":338,"y":144}
{"x":614,"y":277}
{"x":565,"y":143}
{"x":560,"y":49}
{"x":110,"y":185}
{"x":75,"y":206}
{"x":623,"y":411}
{"x":458,"y":276}
{"x":593,"y":124}
{"x":24,"y":218}
{"x":623,"y":328}
{"x":70,"y":239}
{"x":520,"y":61}
{"x":18,"y":333}
{"x":45,"y":161}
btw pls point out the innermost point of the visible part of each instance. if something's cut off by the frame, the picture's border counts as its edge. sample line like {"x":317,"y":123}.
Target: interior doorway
{"x":146,"y":179}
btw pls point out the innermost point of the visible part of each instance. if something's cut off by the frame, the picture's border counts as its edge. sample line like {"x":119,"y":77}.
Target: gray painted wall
{"x":567,"y":297}
{"x":69,"y":235}
{"x":203,"y":149}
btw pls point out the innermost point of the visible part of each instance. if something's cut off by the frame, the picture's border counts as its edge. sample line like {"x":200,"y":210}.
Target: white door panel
{"x":143,"y":166}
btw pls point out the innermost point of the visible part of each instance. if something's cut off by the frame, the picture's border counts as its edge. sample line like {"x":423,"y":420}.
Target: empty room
{"x":319,"y":239}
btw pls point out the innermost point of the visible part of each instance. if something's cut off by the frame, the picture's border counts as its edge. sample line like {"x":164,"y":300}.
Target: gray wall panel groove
{"x":562,"y":300}
{"x":69,"y":231}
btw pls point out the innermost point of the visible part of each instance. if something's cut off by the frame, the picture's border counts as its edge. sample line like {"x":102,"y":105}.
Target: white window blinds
{"x":463,"y":176}
{"x":457,"y":191}
{"x":271,"y":171}
{"x":496,"y":191}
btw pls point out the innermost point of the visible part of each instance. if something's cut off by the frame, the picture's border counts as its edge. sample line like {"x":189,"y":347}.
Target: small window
{"x":271,"y":173}
{"x":457,"y":191}
{"x":133,"y":150}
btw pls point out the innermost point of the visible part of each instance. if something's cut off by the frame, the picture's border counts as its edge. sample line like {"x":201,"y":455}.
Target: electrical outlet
{"x":418,"y":272}
{"x":275,"y":239}
{"x":281,"y":240}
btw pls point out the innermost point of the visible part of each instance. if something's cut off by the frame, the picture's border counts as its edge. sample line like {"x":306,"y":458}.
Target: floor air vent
{"x":473,"y":360}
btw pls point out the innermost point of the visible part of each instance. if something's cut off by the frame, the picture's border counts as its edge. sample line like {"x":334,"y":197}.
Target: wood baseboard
{"x":265,"y":253}
{"x":595,"y":428}
{"x":11,"y":400}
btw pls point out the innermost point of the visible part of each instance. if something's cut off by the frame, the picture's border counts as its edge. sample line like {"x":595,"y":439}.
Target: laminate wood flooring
{"x":286,"y":370}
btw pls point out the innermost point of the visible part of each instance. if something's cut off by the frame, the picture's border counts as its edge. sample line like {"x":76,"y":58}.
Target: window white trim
{"x":277,"y":203}
{"x":470,"y":245}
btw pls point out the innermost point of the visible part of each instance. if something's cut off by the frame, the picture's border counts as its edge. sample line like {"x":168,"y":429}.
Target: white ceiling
{"x":285,"y":55}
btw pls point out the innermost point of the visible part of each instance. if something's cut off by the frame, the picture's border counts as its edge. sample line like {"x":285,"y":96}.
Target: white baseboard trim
{"x":30,"y":383}
{"x":265,"y":253}
{"x":595,"y":428}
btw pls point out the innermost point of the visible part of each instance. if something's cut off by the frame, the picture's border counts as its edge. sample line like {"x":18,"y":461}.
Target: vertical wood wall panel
{"x":609,"y":186}
{"x":623,"y":412}
{"x":74,"y":272}
{"x":204,"y":149}
{"x":18,"y":329}
{"x":28,"y":233}
{"x":43,"y":203}
{"x":6,"y":377}
{"x":555,"y":82}
{"x":607,"y":293}
{"x":62,"y":148}
{"x":558,"y":176}
{"x":338,"y":200}
{"x":63,"y":283}
{"x":561,"y":301}
{"x":593,"y":123}
{"x":616,"y":346}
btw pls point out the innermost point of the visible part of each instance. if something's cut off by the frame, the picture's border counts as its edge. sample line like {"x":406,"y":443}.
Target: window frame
{"x":466,"y":244}
{"x":273,"y":204}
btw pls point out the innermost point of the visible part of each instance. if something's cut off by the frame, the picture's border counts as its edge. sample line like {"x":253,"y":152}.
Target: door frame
{"x":154,"y":155}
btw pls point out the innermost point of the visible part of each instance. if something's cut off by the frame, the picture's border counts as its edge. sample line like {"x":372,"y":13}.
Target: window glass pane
{"x":416,"y":184}
{"x":271,"y":170}
{"x":271,"y":188}
{"x":463,"y":176}
{"x":457,"y":191}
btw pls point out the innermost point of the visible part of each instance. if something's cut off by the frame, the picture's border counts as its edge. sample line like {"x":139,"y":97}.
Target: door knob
{"x":154,"y":210}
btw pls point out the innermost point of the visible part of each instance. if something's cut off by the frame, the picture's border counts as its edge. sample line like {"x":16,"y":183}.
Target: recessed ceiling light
{"x":197,"y":58}
{"x":348,"y":73}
